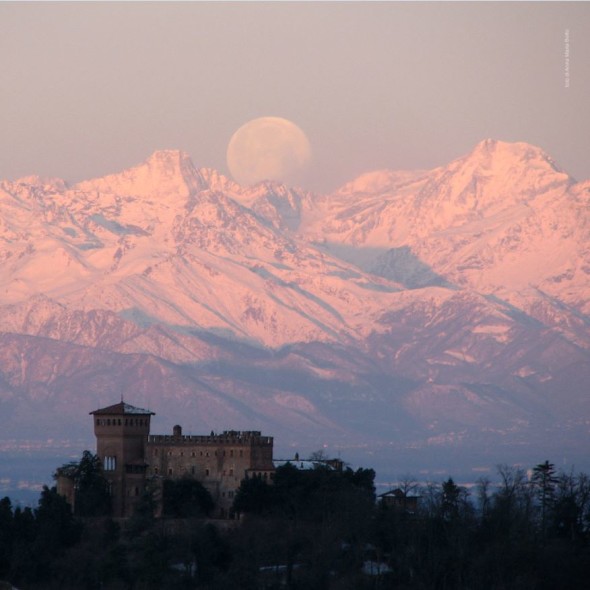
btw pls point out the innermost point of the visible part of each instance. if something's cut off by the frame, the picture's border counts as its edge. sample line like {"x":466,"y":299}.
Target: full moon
{"x":268,"y":148}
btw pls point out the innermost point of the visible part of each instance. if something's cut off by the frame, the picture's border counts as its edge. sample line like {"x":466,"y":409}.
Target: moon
{"x":268,"y":148}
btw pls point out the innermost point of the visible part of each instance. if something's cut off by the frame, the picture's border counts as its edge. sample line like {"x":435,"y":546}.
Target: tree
{"x":483,"y":495}
{"x":544,"y":481}
{"x":56,"y":526}
{"x":186,"y":497}
{"x":254,"y":496}
{"x":450,"y":499}
{"x":92,"y":497}
{"x":23,"y":556}
{"x":92,"y":493}
{"x":6,"y":535}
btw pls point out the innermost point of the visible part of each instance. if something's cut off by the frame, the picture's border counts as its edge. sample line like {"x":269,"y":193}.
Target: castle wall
{"x":219,"y":461}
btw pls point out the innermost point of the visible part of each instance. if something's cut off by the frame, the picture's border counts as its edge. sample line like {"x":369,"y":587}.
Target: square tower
{"x":122,"y":432}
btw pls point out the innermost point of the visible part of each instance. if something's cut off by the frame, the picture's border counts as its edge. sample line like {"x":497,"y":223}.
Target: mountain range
{"x":442,"y":311}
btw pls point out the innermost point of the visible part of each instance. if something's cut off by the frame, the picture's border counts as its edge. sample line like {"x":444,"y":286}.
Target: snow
{"x":191,"y":249}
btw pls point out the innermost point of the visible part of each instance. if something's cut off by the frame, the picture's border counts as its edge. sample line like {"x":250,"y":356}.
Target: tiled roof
{"x":123,"y":408}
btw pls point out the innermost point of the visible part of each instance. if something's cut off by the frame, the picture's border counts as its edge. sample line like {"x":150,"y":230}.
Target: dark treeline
{"x":317,"y":529}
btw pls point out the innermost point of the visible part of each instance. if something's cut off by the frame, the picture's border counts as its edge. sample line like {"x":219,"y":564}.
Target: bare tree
{"x":483,"y":494}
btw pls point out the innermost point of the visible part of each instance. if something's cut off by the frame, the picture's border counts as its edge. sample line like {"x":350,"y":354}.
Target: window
{"x":170,"y":471}
{"x":206,"y":472}
{"x":231,"y":453}
{"x":231,"y":471}
{"x":109,"y":463}
{"x":193,"y":470}
{"x":241,"y":453}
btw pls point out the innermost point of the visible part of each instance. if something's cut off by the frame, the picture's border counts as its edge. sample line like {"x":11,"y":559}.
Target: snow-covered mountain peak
{"x":166,"y":173}
{"x":501,"y":157}
{"x":493,"y":177}
{"x":170,"y":162}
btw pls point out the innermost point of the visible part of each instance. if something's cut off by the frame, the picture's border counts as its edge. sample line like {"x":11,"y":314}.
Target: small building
{"x":307,"y":464}
{"x":399,"y":500}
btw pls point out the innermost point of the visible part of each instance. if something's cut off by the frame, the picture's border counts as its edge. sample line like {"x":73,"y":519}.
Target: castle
{"x":132,"y":457}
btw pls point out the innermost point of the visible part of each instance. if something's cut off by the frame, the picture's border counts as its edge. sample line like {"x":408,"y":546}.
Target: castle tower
{"x":122,"y":432}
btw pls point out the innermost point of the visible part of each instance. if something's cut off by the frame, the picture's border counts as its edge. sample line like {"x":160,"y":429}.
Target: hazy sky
{"x":92,"y":88}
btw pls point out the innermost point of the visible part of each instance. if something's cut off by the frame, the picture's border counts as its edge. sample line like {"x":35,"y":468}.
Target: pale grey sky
{"x":91,"y":88}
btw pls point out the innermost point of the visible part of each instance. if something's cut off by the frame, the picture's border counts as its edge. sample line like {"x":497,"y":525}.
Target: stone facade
{"x":132,"y":458}
{"x":219,"y":461}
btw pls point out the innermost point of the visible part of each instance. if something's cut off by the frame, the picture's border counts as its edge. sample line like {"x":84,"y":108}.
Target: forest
{"x":316,"y":529}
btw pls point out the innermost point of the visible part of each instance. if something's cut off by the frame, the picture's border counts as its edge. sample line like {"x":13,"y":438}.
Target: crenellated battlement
{"x":227,"y":437}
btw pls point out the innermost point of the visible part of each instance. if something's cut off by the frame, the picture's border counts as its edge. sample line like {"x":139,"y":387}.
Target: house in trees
{"x":399,"y":500}
{"x":310,"y":464}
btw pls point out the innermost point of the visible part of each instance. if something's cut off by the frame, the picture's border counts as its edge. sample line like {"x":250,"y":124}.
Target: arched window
{"x":109,"y":463}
